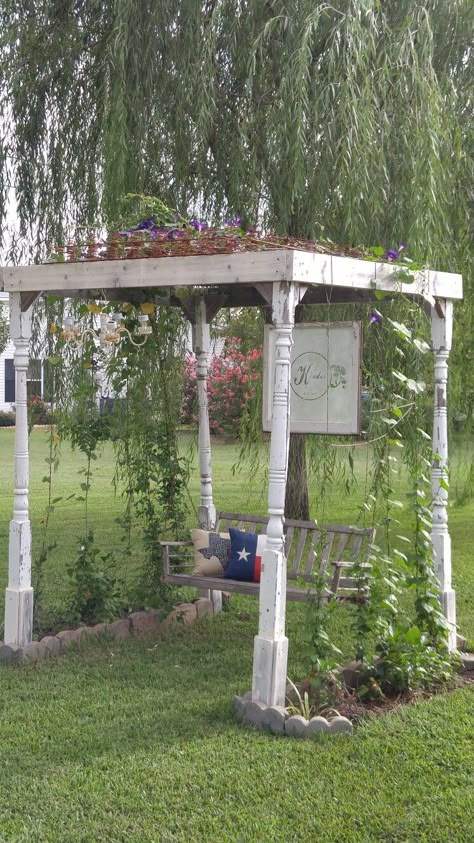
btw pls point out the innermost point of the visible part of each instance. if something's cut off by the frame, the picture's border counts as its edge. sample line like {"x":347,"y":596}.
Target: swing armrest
{"x":165,"y":554}
{"x":176,"y":544}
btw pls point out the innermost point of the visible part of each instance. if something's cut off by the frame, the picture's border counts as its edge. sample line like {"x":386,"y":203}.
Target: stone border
{"x":276,"y":719}
{"x":137,"y":623}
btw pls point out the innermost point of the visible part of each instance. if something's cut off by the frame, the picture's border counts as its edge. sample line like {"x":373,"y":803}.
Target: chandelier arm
{"x":137,"y":344}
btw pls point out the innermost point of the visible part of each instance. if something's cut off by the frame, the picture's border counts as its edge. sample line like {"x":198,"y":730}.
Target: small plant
{"x":301,"y":705}
{"x":317,"y":699}
{"x":318,"y":650}
{"x":96,"y":595}
{"x":409,"y":662}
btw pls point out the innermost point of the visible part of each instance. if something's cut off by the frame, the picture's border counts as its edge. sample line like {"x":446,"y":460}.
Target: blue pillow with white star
{"x":245,"y":556}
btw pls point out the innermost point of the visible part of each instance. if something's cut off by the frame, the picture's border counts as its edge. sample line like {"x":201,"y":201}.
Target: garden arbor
{"x":279,"y":279}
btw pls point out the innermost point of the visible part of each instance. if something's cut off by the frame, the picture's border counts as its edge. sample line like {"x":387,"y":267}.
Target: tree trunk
{"x":296,"y":499}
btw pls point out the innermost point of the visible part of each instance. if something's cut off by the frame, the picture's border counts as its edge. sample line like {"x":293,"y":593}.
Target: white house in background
{"x":35,"y":381}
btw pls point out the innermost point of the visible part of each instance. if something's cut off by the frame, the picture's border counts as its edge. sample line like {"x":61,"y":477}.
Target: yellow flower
{"x":56,"y":439}
{"x":94,"y":308}
{"x":52,"y":328}
{"x":147,"y":307}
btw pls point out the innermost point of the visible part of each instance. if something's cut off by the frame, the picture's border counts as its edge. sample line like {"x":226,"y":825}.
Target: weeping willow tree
{"x":3,"y":327}
{"x":351,"y":120}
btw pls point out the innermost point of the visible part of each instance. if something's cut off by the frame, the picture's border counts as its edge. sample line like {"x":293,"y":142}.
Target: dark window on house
{"x":33,"y":380}
{"x":9,"y":382}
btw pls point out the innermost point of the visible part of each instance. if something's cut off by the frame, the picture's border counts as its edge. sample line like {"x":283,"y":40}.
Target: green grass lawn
{"x":135,"y":742}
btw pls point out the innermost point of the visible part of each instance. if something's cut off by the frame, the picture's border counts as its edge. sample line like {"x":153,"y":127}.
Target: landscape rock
{"x":238,"y":706}
{"x":273,"y":719}
{"x":461,"y":643}
{"x":253,"y":712}
{"x":78,"y":634}
{"x":10,"y":652}
{"x":296,"y":726}
{"x":187,"y":613}
{"x":99,"y":629}
{"x":43,"y":650}
{"x":31,"y":653}
{"x":340,"y":725}
{"x":316,"y":726}
{"x":88,"y":632}
{"x":66,"y":636}
{"x":467,"y":660}
{"x":119,"y":630}
{"x":170,"y":620}
{"x":53,"y":644}
{"x":203,"y":607}
{"x":143,"y":622}
{"x":351,"y":674}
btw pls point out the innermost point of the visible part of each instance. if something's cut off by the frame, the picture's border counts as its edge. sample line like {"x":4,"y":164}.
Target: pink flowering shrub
{"x":232,"y":381}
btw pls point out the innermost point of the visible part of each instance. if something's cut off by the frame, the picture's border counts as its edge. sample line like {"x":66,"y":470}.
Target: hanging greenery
{"x":351,"y":119}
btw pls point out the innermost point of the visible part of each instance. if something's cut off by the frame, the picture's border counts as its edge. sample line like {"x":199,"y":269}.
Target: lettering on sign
{"x":324,"y":378}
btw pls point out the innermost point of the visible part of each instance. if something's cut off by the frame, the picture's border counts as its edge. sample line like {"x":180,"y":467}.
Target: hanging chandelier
{"x":110,"y":331}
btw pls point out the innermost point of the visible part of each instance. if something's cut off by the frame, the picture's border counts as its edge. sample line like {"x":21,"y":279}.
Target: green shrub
{"x":38,"y":412}
{"x":95,"y":592}
{"x":7,"y":419}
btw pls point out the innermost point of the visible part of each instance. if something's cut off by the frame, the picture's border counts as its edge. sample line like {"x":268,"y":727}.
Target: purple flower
{"x":374,"y":318}
{"x":391,"y":254}
{"x":402,"y":246}
{"x":232,"y":223}
{"x":175,"y":234}
{"x":158,"y":231}
{"x":145,"y":224}
{"x":198,"y":225}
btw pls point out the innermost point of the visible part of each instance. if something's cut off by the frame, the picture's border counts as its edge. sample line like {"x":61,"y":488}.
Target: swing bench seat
{"x":330,"y":551}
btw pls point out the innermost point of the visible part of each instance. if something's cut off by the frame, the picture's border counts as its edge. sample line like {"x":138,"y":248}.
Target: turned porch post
{"x":271,"y":645}
{"x":19,"y":594}
{"x":206,"y":509}
{"x":441,"y":335}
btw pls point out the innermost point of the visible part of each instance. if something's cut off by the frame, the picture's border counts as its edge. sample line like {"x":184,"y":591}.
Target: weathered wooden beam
{"x":335,"y":271}
{"x":201,"y":270}
{"x":234,"y":269}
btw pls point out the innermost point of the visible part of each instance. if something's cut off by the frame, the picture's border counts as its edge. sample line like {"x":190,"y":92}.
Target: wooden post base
{"x":270,"y":659}
{"x":18,"y":616}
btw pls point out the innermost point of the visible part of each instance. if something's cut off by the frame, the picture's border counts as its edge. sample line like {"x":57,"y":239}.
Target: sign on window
{"x":324,"y":378}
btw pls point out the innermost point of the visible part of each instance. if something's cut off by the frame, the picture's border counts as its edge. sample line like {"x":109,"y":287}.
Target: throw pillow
{"x":245,"y":556}
{"x":211,"y":553}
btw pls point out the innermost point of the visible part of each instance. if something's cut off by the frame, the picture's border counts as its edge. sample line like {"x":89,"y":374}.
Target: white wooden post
{"x":441,"y":335}
{"x":19,"y":594}
{"x":206,"y":509}
{"x":271,"y":645}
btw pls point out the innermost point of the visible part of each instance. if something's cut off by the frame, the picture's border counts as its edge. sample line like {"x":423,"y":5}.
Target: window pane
{"x":9,"y":382}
